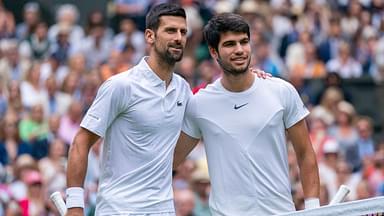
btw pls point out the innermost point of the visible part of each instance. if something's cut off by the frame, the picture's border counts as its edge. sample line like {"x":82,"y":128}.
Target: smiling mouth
{"x":239,"y":60}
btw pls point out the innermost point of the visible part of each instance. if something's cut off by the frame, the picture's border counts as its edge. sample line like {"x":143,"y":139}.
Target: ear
{"x":149,"y":36}
{"x":213,"y":52}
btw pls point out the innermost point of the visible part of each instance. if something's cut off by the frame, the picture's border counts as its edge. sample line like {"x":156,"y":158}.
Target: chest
{"x":241,"y":116}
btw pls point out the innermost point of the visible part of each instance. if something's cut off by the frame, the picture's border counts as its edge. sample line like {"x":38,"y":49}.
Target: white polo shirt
{"x":245,"y":142}
{"x":140,"y":120}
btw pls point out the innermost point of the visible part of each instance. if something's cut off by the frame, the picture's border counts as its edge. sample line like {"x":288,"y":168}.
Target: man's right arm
{"x":78,"y":162}
{"x":184,"y":146}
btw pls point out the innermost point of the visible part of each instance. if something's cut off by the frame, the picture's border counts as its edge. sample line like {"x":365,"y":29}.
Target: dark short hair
{"x":166,"y":9}
{"x":222,"y":23}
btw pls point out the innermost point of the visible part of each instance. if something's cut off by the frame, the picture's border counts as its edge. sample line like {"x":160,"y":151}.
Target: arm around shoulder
{"x":184,"y":146}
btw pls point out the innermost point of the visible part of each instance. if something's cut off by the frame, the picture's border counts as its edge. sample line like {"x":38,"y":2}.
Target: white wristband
{"x":311,"y":203}
{"x":75,"y":197}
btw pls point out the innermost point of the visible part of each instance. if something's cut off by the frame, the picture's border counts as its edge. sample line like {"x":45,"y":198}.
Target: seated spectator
{"x":36,"y":46}
{"x":18,"y":186}
{"x":113,"y":66}
{"x":58,"y":102}
{"x":344,"y":130}
{"x":311,"y":67}
{"x":263,"y":59}
{"x":328,"y":166}
{"x":328,"y":104}
{"x":12,"y":67}
{"x":34,"y":202}
{"x":67,"y":15}
{"x":184,"y":202}
{"x":7,"y":23}
{"x":70,"y":122}
{"x":345,"y":64}
{"x":31,"y":89}
{"x":11,"y":146}
{"x":201,"y":186}
{"x":34,"y":130}
{"x":346,"y":177}
{"x":31,"y":17}
{"x":130,"y":35}
{"x":365,"y":142}
{"x":53,"y":166}
{"x":95,"y":47}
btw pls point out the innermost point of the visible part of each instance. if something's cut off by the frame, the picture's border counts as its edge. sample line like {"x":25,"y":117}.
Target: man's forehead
{"x":173,"y":21}
{"x":229,"y":36}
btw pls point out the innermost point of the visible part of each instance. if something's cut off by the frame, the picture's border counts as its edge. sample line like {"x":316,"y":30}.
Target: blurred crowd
{"x":50,"y":71}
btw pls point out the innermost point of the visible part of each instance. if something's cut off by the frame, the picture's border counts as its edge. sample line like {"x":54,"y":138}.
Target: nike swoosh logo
{"x":179,"y":103}
{"x":238,"y":107}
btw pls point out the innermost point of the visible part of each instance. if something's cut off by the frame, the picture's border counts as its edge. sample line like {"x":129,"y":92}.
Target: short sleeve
{"x":294,"y":108}
{"x":107,"y":105}
{"x":190,"y":125}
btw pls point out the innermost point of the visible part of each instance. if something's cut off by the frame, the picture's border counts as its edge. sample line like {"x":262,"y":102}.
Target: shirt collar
{"x":149,"y":74}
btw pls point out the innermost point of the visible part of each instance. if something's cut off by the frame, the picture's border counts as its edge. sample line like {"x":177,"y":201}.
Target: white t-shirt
{"x":140,"y":120}
{"x":245,"y":142}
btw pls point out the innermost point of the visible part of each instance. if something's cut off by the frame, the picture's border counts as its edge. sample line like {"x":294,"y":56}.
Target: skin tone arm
{"x":78,"y":162}
{"x":306,"y":159}
{"x":184,"y":146}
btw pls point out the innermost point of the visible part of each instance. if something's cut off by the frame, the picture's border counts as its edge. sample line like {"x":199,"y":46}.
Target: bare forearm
{"x":77,"y":166}
{"x":309,"y":175}
{"x":78,"y":158}
{"x":306,"y":159}
{"x":184,"y":146}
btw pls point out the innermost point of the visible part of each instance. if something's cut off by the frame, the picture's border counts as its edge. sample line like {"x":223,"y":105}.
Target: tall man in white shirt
{"x":139,"y":114}
{"x":243,"y":122}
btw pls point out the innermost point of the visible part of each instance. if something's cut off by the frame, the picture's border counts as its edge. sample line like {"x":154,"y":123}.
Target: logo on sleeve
{"x":239,"y":106}
{"x":179,"y":103}
{"x":94,"y":117}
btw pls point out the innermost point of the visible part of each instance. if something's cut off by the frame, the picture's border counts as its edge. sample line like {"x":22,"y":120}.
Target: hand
{"x":75,"y":212}
{"x":261,"y":73}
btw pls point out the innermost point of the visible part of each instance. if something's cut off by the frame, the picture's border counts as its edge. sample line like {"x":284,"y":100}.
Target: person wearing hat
{"x":34,"y":202}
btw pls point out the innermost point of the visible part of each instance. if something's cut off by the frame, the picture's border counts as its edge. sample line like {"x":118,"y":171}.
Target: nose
{"x":239,"y":49}
{"x":178,"y":36}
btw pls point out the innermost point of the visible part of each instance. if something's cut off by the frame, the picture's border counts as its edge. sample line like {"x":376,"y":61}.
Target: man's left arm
{"x":306,"y":159}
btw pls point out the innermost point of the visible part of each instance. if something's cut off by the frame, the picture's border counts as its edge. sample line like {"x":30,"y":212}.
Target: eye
{"x":244,"y":42}
{"x":183,"y":31}
{"x":170,"y":30}
{"x":229,"y":43}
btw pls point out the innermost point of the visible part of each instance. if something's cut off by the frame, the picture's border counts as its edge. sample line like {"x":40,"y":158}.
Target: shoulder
{"x":273,"y":83}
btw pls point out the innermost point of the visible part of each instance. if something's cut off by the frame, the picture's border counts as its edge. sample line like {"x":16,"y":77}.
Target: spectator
{"x":95,"y":47}
{"x":53,"y":166}
{"x":130,"y":35}
{"x":365,"y":143}
{"x":329,"y":46}
{"x":36,"y":46}
{"x":32,"y":90}
{"x":184,"y":202}
{"x":67,"y":15}
{"x":34,"y":202}
{"x":31,"y":18}
{"x":344,"y":130}
{"x":311,"y":67}
{"x":34,"y":130}
{"x":12,"y":67}
{"x":114,"y":65}
{"x":7,"y":23}
{"x":70,"y":122}
{"x":11,"y":146}
{"x":201,"y":187}
{"x":344,"y":64}
{"x":58,"y":102}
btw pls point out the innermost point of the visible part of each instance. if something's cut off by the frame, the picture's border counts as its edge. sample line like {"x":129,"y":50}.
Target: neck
{"x":162,"y":69}
{"x":238,"y":83}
